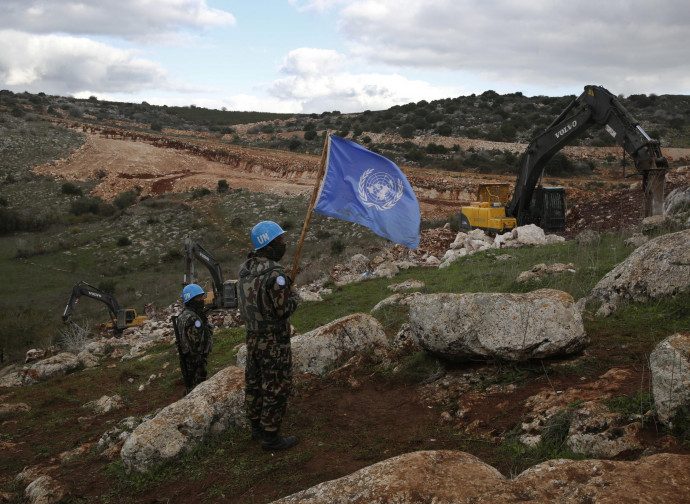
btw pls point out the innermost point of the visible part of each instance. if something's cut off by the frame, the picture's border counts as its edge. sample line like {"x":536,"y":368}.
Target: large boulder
{"x":212,"y":407}
{"x":319,"y":350}
{"x":657,"y":269}
{"x":669,"y":364}
{"x":58,"y":365}
{"x":425,"y":476}
{"x":45,"y":490}
{"x":677,"y":201}
{"x":454,"y":477}
{"x":512,"y":327}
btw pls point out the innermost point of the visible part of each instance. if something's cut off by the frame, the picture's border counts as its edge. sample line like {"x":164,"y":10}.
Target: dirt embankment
{"x":123,"y":160}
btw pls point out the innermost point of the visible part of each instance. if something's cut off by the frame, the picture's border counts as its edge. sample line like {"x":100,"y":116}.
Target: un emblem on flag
{"x":379,"y":190}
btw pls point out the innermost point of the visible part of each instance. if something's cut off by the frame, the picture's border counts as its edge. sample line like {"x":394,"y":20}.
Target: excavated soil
{"x":126,"y":162}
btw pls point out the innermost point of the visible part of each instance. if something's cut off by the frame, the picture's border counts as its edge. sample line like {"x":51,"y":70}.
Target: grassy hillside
{"x":366,"y":413}
{"x":55,"y":234}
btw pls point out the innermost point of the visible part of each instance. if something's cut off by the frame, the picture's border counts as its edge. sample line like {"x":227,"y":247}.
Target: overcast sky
{"x":304,"y":56}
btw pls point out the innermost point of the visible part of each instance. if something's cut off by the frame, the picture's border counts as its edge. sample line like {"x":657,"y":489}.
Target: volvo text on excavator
{"x":533,"y":203}
{"x":224,"y":293}
{"x":120,"y":319}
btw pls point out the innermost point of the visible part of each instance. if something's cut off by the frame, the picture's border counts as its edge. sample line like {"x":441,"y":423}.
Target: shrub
{"x":200,"y":192}
{"x":406,"y":131}
{"x":74,"y":338}
{"x":71,"y":189}
{"x":93,"y":205}
{"x":156,"y":126}
{"x":310,"y":135}
{"x":223,"y":186}
{"x":294,"y":145}
{"x":125,"y":199}
{"x":123,"y":241}
{"x":107,"y":285}
{"x":337,"y":247}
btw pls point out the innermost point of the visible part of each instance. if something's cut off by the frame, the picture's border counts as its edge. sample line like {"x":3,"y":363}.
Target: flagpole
{"x":315,"y":192}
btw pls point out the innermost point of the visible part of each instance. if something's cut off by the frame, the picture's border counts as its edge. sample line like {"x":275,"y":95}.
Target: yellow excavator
{"x":533,"y":203}
{"x":120,"y":319}
{"x":489,"y":211}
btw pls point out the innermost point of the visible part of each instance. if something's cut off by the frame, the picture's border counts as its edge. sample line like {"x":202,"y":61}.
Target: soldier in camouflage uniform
{"x":194,"y":336}
{"x":267,"y":298}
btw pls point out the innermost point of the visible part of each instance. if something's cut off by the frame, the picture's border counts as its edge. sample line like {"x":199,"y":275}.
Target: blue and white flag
{"x":363,"y":187}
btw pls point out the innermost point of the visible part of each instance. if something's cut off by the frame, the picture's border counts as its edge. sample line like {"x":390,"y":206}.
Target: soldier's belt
{"x":263,"y":327}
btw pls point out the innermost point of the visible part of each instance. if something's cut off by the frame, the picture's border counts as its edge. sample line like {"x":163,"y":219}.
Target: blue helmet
{"x":191,"y":291}
{"x":264,"y":233}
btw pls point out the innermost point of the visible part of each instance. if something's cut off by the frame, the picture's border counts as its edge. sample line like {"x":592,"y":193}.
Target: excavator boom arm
{"x":82,"y":288}
{"x":597,"y":106}
{"x":196,"y":251}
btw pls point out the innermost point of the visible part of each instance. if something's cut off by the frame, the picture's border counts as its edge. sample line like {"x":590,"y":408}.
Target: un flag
{"x":363,"y":187}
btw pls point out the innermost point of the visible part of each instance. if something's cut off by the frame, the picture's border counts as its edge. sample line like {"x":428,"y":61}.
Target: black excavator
{"x":533,"y":203}
{"x":224,"y":293}
{"x":120,"y":318}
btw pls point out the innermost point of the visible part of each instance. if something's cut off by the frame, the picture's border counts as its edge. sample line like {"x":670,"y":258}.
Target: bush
{"x":11,"y":220}
{"x":125,"y":199}
{"x":200,"y":192}
{"x":74,"y":338}
{"x":223,"y":186}
{"x":156,"y":126}
{"x":93,"y":205}
{"x":294,"y":145}
{"x":108,"y":286}
{"x":337,"y":247}
{"x":123,"y":241}
{"x":310,"y":135}
{"x":71,"y":189}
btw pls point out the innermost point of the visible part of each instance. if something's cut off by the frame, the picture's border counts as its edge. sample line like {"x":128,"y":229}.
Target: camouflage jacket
{"x":196,"y":334}
{"x":264,"y":296}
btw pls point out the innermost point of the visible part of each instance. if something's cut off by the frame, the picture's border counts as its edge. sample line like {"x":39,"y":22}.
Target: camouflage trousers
{"x":194,"y":370}
{"x":268,"y":377}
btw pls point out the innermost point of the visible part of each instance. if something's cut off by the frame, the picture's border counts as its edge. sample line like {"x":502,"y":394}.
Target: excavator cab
{"x":548,"y":208}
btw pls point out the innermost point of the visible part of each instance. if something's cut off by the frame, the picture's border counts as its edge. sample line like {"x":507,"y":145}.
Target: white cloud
{"x":307,"y":61}
{"x":319,"y":80}
{"x":536,"y":42}
{"x":130,"y":19}
{"x":69,"y":65}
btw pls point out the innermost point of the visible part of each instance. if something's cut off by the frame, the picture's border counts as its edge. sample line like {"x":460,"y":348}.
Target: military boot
{"x":273,"y":442}
{"x":257,"y":430}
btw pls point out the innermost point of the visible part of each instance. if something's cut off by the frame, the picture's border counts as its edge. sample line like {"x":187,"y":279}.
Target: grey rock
{"x":513,"y":327}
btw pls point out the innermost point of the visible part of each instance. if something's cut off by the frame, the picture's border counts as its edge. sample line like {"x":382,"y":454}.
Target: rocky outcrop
{"x":105,"y":404}
{"x":212,"y":407}
{"x":323,"y":348}
{"x":453,"y":477}
{"x":512,"y":327}
{"x":541,"y":271}
{"x":58,"y":365}
{"x":677,"y":201}
{"x":426,"y":476}
{"x":669,"y":363}
{"x":597,"y":432}
{"x":45,"y":490}
{"x":657,"y":269}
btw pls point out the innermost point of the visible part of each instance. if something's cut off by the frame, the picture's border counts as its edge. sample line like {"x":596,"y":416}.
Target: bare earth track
{"x":155,"y":166}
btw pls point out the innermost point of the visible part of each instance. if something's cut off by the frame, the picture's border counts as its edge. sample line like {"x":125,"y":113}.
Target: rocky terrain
{"x":106,"y":423}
